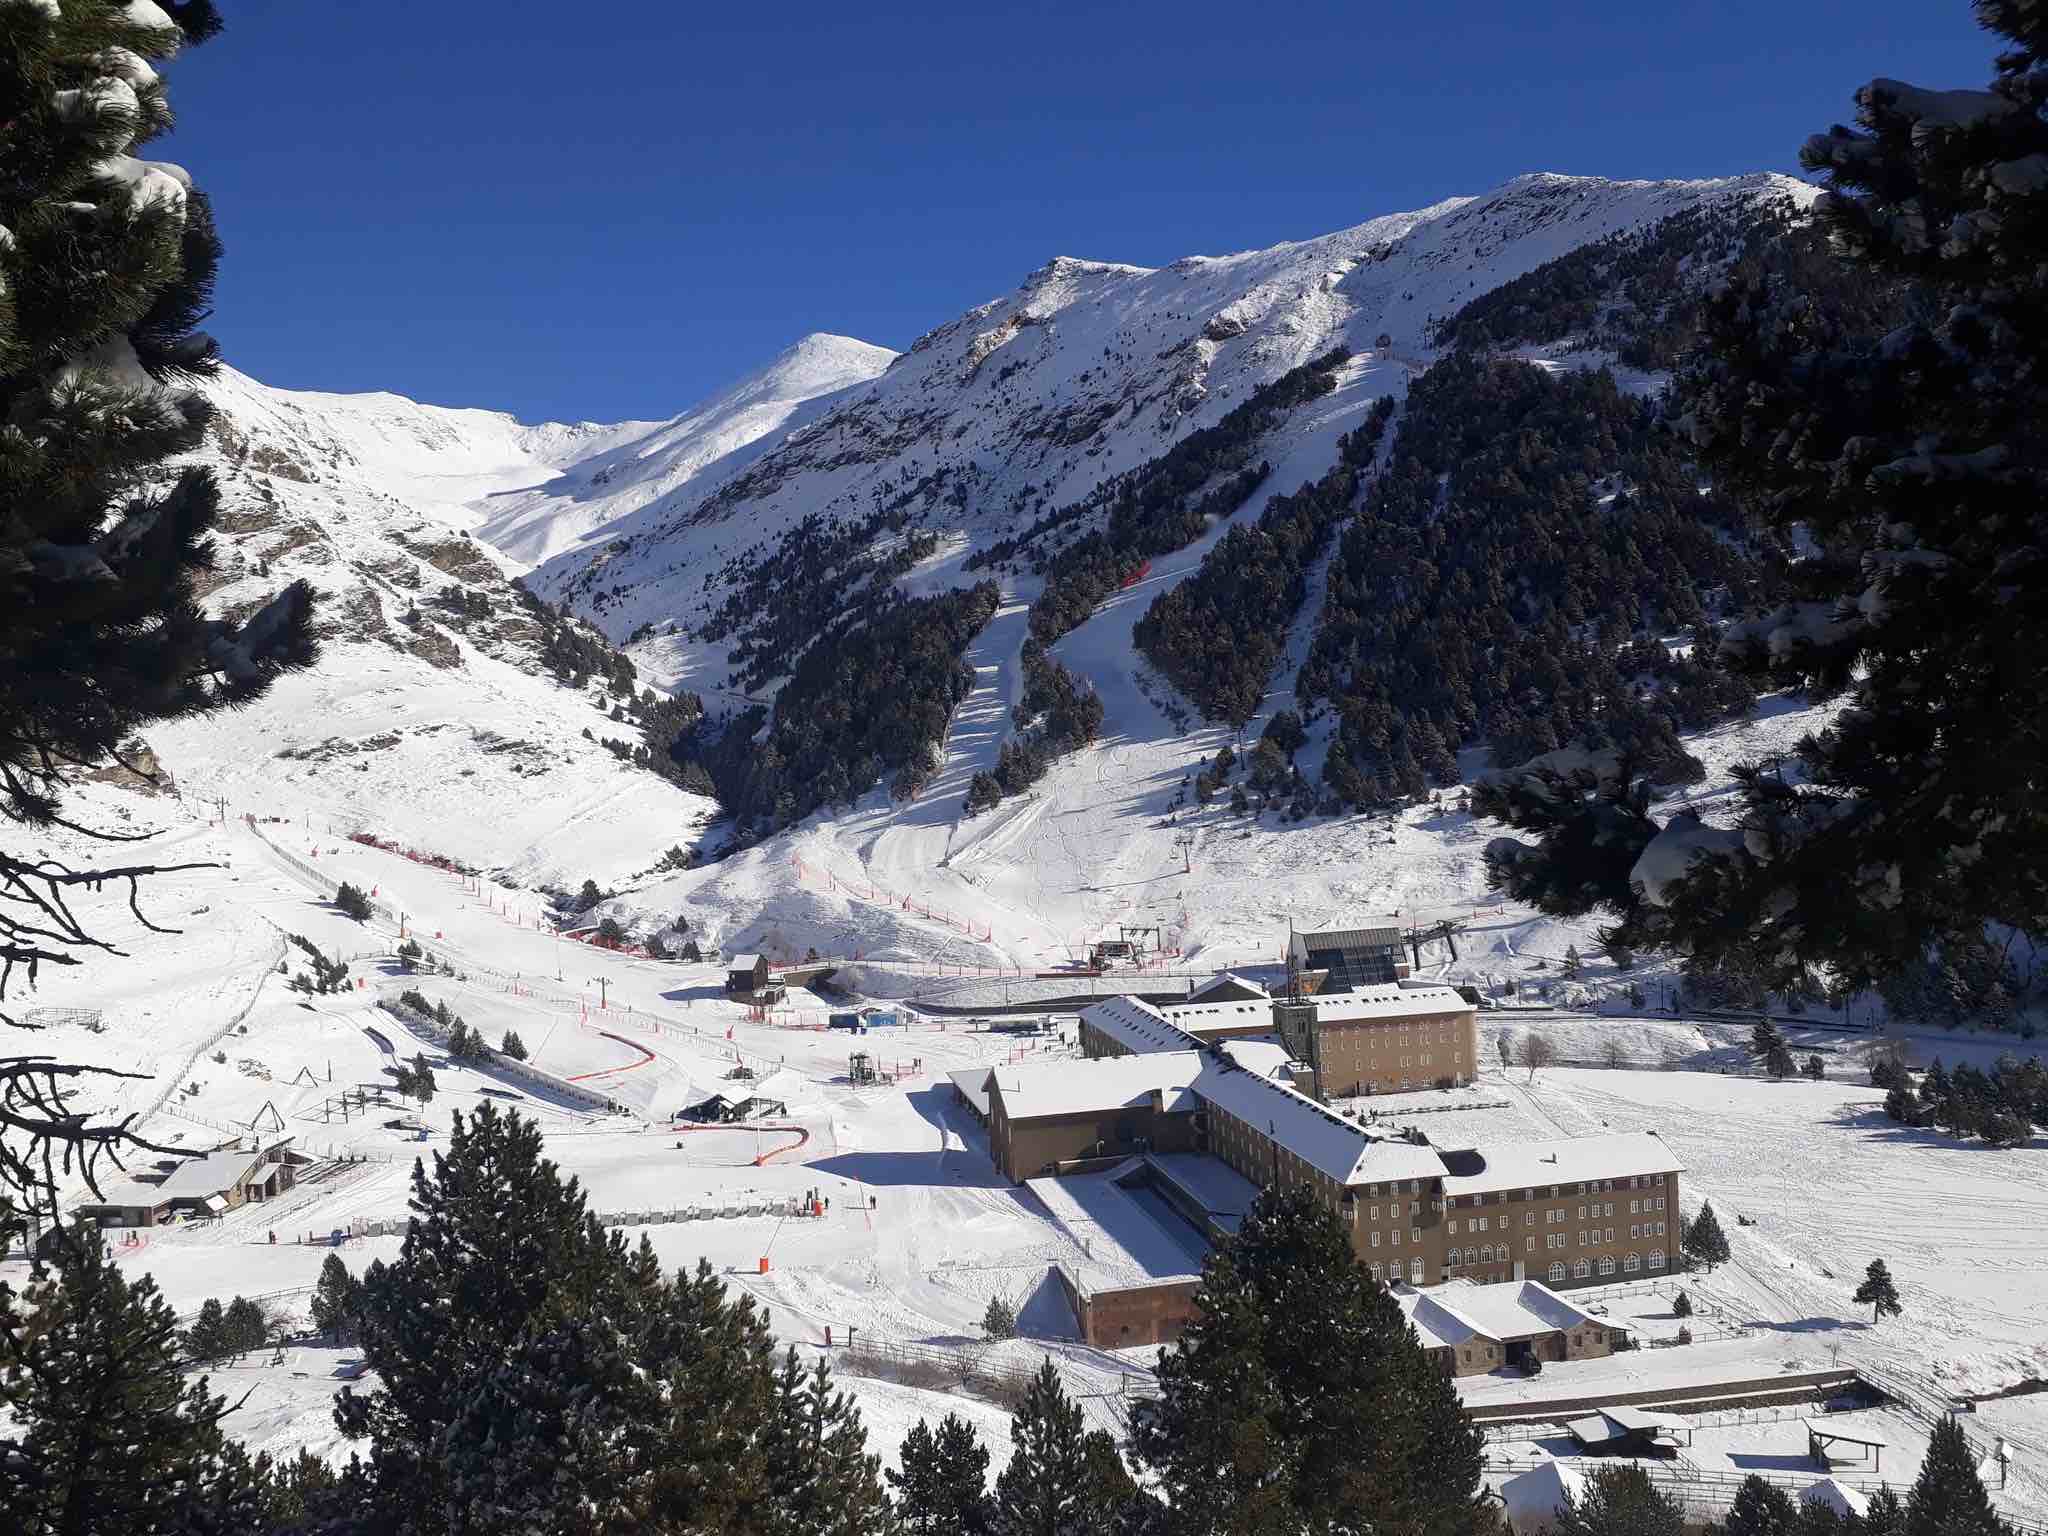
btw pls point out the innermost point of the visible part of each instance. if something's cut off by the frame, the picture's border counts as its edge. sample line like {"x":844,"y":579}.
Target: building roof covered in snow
{"x":1572,"y":1160}
{"x":1388,"y":1000}
{"x":1604,"y":1426}
{"x":1534,"y":1498}
{"x":972,"y":1085}
{"x":1119,"y":1238}
{"x":1267,"y":1057}
{"x":1033,"y":1089}
{"x":1204,"y":1019}
{"x":1510,"y":1310}
{"x":1137,"y":1026}
{"x":1339,"y":1148}
{"x":195,"y":1179}
{"x":1377,"y":937}
{"x":1228,"y":987}
{"x":1829,"y":1493}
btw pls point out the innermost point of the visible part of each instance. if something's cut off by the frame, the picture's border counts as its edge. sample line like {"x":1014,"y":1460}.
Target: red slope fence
{"x":866,"y":890}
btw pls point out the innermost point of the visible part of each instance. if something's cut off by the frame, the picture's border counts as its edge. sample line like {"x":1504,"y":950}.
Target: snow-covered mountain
{"x":704,"y":445}
{"x":1087,"y":370}
{"x":434,"y":717}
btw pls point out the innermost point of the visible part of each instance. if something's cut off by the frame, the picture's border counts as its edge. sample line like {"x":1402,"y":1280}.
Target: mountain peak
{"x":812,"y":365}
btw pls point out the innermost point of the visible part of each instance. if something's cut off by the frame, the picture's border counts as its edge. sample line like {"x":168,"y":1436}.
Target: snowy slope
{"x":622,"y":469}
{"x":1022,"y":405}
{"x":1089,"y":369}
{"x":428,"y":719}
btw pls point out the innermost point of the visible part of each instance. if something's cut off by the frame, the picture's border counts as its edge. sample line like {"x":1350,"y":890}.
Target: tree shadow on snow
{"x":1810,"y":1325}
{"x":693,"y":994}
{"x":1750,"y":1461}
{"x":1876,"y":1125}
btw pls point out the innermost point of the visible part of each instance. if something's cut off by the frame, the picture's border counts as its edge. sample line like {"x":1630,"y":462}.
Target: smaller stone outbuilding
{"x":1472,"y":1329}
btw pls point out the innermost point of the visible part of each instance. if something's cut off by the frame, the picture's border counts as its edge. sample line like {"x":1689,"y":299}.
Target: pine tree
{"x":513,"y":1046}
{"x":1815,"y":1068}
{"x":820,"y":1478}
{"x":1878,"y":1290}
{"x":1681,"y":1305}
{"x":1889,"y":420}
{"x":1062,"y":1479}
{"x":1767,"y":1045}
{"x":1573,"y":964}
{"x":352,"y":901}
{"x":942,"y":1487}
{"x":1704,"y":1242}
{"x":207,"y":1339}
{"x":535,"y":1373}
{"x":247,"y":1328}
{"x":1948,"y":1498}
{"x":1299,"y":1398}
{"x":416,"y":1079}
{"x":1620,"y":1501}
{"x":1886,"y":1516}
{"x":499,"y":1248}
{"x":1000,"y":1320}
{"x":108,"y":268}
{"x":99,"y":1429}
{"x":588,"y":897}
{"x":335,"y":1299}
{"x":1759,"y":1509}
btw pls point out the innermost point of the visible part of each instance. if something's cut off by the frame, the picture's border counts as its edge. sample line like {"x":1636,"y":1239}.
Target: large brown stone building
{"x":1383,"y":1038}
{"x":1044,"y":1115}
{"x":1375,"y":1039}
{"x":1571,"y":1212}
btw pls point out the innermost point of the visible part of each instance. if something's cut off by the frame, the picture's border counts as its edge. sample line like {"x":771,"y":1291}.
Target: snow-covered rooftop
{"x":1266,"y":1057}
{"x":1201,"y":1019}
{"x":1228,"y":979}
{"x":1382,"y":1001}
{"x":193,"y":1179}
{"x":1137,"y":1026}
{"x":1320,"y":1137}
{"x":1535,"y":1497}
{"x":1126,"y":1236}
{"x":1032,"y":1089}
{"x":1838,"y":1496}
{"x":1514,"y":1309}
{"x":1572,"y":1160}
{"x":972,"y":1082}
{"x":1221,"y":1190}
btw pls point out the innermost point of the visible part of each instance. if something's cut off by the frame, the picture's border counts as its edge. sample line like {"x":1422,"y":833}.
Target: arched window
{"x":1631,"y":1264}
{"x":1557,"y":1273}
{"x":1582,"y":1269}
{"x":1606,"y":1264}
{"x":1656,"y":1258}
{"x":1415,"y":1271}
{"x":1376,"y":1269}
{"x":1471,"y":1255}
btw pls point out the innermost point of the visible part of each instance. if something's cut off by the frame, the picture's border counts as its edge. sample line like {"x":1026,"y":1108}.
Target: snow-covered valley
{"x":442,"y":718}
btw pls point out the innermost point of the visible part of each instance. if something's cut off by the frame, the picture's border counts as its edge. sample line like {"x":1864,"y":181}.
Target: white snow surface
{"x":449,"y":740}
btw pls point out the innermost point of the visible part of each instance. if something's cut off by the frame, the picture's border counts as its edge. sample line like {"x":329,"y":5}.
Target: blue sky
{"x":610,"y":210}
